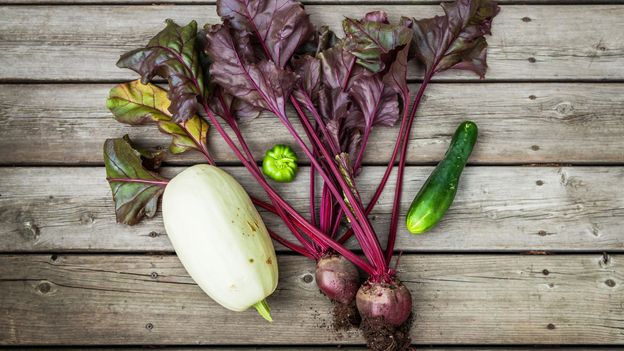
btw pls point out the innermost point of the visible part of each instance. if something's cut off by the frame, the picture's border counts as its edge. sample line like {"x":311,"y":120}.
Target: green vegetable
{"x":438,"y":192}
{"x":280,"y":163}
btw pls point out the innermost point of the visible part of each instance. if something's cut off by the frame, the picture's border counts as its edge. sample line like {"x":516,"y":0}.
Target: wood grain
{"x":305,"y":2}
{"x":82,"y":43}
{"x":458,"y":299}
{"x":496,"y":209}
{"x":66,"y":124}
{"x":311,"y":348}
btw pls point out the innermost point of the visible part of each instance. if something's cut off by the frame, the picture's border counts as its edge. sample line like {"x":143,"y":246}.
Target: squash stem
{"x":264,"y":310}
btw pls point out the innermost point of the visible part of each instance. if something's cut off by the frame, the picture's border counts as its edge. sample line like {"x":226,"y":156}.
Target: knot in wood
{"x":564,"y":108}
{"x":44,"y":287}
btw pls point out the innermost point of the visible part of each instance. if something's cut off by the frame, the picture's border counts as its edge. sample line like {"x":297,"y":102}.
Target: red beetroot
{"x":337,"y":278}
{"x":390,"y":301}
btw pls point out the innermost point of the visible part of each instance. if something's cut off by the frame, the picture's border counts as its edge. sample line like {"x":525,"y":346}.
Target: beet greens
{"x":266,"y":56}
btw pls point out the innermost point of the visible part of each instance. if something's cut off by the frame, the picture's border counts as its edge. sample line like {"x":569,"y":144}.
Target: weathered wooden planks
{"x":519,"y":123}
{"x":496,"y":209}
{"x":529,"y":42}
{"x":305,"y":2}
{"x":458,"y":299}
{"x":311,"y":348}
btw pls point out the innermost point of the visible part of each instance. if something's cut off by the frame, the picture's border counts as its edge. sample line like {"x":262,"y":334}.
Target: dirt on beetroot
{"x":345,"y":317}
{"x":382,"y":337}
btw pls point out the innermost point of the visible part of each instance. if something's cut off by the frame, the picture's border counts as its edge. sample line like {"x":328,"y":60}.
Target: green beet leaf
{"x":135,"y":188}
{"x":171,"y":54}
{"x":135,"y":103}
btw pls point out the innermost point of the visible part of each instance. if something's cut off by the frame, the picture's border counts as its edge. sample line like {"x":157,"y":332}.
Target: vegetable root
{"x":391,"y":302}
{"x":386,"y":309}
{"x":337,"y":278}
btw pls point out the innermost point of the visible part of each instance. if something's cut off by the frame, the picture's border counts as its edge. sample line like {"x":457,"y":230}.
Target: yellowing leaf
{"x":136,"y":103}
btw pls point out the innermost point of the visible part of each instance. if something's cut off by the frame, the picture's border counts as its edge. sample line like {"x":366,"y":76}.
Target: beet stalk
{"x":340,"y":91}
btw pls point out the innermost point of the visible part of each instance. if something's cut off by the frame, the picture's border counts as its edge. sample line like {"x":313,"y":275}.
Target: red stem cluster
{"x":315,"y":240}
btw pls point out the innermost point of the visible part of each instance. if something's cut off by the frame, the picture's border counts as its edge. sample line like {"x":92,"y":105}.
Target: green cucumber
{"x":437,"y":194}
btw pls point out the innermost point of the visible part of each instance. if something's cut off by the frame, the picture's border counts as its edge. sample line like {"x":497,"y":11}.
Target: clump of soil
{"x":345,"y":316}
{"x":382,"y":337}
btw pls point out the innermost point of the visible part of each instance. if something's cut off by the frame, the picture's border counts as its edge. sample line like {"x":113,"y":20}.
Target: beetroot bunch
{"x":266,"y":56}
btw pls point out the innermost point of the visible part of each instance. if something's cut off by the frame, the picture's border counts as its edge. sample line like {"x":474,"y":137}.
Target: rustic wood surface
{"x":496,"y":209}
{"x":518,"y":123}
{"x":307,"y":348}
{"x":82,"y":43}
{"x":458,"y":299}
{"x":554,"y":94}
{"x":305,"y":2}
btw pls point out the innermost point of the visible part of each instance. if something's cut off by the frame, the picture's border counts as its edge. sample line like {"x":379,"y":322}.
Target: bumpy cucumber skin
{"x":437,"y":194}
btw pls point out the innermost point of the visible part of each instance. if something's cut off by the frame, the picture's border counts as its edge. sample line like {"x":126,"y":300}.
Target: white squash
{"x":220,"y":238}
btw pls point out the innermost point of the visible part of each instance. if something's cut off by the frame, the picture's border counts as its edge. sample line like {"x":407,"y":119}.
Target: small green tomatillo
{"x":280,"y":163}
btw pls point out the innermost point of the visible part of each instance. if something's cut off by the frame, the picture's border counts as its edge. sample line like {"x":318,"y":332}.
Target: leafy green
{"x":171,"y":54}
{"x":135,"y":103}
{"x":263,"y":85}
{"x":373,"y":40}
{"x":135,"y":188}
{"x":283,"y":25}
{"x":378,"y":103}
{"x":456,"y":40}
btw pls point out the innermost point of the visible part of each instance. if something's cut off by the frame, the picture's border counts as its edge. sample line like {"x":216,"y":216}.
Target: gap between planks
{"x":313,"y":348}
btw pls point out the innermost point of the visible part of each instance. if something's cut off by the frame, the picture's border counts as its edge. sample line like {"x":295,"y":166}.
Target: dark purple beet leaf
{"x":262,"y":84}
{"x":321,"y":40}
{"x":378,"y":103}
{"x":345,"y":123}
{"x":396,"y":76}
{"x":379,"y":106}
{"x":171,"y":54}
{"x":227,"y":106}
{"x":373,"y":40}
{"x":308,"y":69}
{"x":337,"y":65}
{"x":455,"y":40}
{"x":281,"y":25}
{"x":135,"y":188}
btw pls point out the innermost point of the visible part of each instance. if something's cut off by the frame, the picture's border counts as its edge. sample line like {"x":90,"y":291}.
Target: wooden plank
{"x":519,"y":123}
{"x":312,"y":348}
{"x":497,"y":209}
{"x":529,"y":42}
{"x":305,"y":2}
{"x":458,"y":299}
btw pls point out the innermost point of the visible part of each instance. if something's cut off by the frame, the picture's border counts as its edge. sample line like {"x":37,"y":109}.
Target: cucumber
{"x":437,"y":194}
